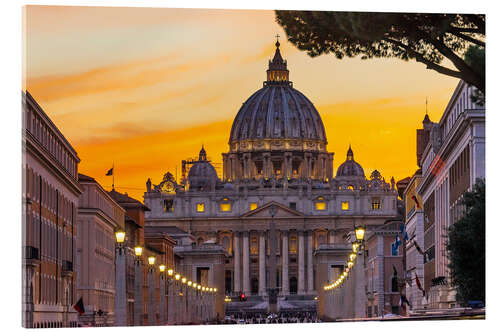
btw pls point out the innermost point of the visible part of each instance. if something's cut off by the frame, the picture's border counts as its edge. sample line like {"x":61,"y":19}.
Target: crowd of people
{"x":279,"y":318}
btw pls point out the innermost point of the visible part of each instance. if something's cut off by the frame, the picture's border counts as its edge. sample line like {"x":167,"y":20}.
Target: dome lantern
{"x":277,"y":73}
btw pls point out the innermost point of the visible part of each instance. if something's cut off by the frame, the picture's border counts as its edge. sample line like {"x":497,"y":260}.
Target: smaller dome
{"x":202,"y":175}
{"x":350,"y":168}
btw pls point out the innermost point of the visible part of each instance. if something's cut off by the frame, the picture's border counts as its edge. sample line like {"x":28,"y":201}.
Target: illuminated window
{"x":345,"y":205}
{"x":225,"y":206}
{"x":200,"y":207}
{"x":320,"y":204}
{"x":376,"y":205}
{"x":350,"y":187}
{"x":253,"y":205}
{"x":168,"y":206}
{"x":293,"y":244}
{"x":254,"y":246}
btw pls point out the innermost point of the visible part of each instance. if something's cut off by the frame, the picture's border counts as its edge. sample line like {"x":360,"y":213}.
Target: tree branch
{"x":467,"y":38}
{"x":420,"y":58}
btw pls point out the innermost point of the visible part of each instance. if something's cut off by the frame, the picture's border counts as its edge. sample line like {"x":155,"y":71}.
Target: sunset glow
{"x":144,"y":88}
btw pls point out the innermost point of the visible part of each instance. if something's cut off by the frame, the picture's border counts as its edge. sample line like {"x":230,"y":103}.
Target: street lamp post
{"x":151,"y":307}
{"x":138,"y":309}
{"x":120,"y":283}
{"x":177,"y":289}
{"x":170,"y":301}
{"x":184,"y":299}
{"x":162,"y":294}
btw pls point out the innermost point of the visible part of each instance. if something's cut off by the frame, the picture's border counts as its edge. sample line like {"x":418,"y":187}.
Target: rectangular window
{"x":253,"y":205}
{"x":225,"y":207}
{"x":200,"y":207}
{"x":345,"y":205}
{"x":376,"y":205}
{"x":293,"y":205}
{"x":320,"y":205}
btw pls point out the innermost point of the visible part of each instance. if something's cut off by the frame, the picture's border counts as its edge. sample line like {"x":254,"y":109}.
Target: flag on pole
{"x":419,"y":285}
{"x":79,"y":306}
{"x":110,"y":172}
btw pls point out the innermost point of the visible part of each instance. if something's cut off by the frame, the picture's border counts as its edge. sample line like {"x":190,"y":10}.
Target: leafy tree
{"x":466,"y":247}
{"x":427,"y":38}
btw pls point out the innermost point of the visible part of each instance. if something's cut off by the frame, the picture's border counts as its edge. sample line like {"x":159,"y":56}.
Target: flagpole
{"x":113,"y":185}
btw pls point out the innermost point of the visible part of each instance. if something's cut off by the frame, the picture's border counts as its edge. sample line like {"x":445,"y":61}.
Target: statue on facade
{"x":148,"y":184}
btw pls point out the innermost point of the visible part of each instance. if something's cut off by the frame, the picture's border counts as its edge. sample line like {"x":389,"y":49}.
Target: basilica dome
{"x":278,"y":111}
{"x":202,"y":174}
{"x":350,"y":168}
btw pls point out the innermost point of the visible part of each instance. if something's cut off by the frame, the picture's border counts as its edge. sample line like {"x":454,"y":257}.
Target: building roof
{"x":125,"y":201}
{"x":85,"y":178}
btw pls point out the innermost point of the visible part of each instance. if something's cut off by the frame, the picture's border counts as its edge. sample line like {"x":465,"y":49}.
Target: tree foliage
{"x":427,"y":38}
{"x":466,"y":247}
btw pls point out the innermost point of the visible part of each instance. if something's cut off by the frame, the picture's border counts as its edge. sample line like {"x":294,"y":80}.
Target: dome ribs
{"x":270,"y":114}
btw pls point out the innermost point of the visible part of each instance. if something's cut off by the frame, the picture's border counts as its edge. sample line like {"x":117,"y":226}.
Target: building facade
{"x":99,"y":217}
{"x":451,"y":154}
{"x":277,"y":157}
{"x":50,"y":200}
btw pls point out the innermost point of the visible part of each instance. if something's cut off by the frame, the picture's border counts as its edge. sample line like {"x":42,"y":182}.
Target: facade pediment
{"x":281,"y":211}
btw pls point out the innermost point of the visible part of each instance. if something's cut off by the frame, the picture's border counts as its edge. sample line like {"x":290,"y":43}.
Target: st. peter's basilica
{"x":277,"y":157}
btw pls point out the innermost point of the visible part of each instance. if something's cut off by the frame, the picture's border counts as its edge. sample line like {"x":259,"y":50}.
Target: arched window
{"x":200,"y":241}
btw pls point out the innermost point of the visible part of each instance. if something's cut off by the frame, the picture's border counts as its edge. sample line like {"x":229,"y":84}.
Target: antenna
{"x":426,"y":112}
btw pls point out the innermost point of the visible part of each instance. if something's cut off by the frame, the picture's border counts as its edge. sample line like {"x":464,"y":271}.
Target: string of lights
{"x":356,"y":246}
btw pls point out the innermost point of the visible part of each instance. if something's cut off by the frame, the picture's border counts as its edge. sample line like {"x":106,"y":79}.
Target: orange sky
{"x":143,"y":88}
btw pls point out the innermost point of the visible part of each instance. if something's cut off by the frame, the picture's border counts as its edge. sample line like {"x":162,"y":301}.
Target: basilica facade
{"x":277,"y":157}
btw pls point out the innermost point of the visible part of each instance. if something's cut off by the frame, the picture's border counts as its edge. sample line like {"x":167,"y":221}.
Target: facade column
{"x":284,"y":264}
{"x":310,"y":275}
{"x":246,"y":263}
{"x":138,"y":308}
{"x":120,"y":287}
{"x":301,"y":288}
{"x":262,"y":263}
{"x":237,"y":264}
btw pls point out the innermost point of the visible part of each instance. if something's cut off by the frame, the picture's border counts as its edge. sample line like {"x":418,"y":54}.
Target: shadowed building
{"x":451,"y":155}
{"x":99,"y":216}
{"x":50,"y":198}
{"x":277,"y":157}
